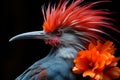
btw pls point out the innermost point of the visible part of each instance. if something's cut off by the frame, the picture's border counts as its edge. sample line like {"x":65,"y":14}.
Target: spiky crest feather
{"x":78,"y":17}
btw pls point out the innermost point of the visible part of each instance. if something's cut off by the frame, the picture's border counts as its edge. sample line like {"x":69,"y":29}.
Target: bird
{"x":68,"y":27}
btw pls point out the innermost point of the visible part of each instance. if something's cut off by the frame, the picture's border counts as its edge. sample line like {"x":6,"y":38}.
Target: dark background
{"x":20,"y":16}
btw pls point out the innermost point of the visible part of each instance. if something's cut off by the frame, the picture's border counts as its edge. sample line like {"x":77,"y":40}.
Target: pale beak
{"x":30,"y":35}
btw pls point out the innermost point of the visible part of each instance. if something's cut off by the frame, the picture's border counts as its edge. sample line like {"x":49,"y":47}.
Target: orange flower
{"x":98,"y":62}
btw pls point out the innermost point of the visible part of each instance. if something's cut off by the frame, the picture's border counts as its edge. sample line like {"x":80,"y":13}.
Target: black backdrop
{"x":20,"y":16}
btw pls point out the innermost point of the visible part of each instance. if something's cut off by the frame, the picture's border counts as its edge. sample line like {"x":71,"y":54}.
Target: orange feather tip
{"x":98,"y":61}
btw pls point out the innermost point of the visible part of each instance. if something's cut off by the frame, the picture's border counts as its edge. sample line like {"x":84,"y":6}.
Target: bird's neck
{"x":67,"y":52}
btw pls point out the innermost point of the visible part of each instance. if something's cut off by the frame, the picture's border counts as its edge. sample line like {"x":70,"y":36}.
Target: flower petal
{"x":89,"y":73}
{"x":114,"y":72}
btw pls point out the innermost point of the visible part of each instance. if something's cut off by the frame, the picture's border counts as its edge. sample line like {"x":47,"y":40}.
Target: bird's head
{"x":72,"y":24}
{"x":56,"y":38}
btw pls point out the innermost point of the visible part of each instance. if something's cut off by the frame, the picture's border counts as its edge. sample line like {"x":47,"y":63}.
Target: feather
{"x":74,"y":15}
{"x":82,"y":18}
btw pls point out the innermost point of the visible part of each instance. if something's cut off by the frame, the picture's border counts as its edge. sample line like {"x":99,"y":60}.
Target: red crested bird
{"x":68,"y":28}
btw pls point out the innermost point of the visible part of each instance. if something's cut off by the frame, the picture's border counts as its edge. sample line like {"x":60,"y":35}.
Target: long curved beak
{"x":30,"y":35}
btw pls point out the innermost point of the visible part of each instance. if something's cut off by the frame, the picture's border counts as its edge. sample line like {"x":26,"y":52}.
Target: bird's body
{"x":68,"y":29}
{"x":53,"y":65}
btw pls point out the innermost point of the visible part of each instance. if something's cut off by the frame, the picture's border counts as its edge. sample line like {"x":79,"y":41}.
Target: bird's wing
{"x":33,"y":74}
{"x":35,"y":68}
{"x":54,"y":69}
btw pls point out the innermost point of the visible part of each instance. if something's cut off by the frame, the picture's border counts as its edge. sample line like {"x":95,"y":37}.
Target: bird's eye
{"x":59,"y":33}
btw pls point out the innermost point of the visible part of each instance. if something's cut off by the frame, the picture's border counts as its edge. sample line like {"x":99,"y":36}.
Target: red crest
{"x":79,"y":17}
